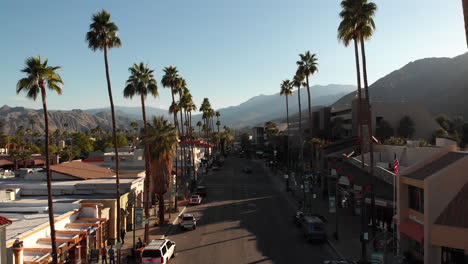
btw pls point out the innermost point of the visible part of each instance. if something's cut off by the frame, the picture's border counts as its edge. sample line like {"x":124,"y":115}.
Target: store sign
{"x":138,"y":217}
{"x":332,"y":204}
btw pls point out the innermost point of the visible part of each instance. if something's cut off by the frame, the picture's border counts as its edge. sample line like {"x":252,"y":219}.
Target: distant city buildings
{"x":85,"y":208}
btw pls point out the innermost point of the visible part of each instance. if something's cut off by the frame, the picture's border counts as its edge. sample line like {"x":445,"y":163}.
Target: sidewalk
{"x":348,"y":245}
{"x":155,"y":232}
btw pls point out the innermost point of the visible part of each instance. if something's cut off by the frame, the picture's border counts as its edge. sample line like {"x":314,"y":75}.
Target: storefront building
{"x":431,"y":215}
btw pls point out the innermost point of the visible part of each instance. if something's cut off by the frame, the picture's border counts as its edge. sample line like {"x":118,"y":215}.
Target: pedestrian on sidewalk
{"x":104,"y":255}
{"x":122,"y":235}
{"x":139,"y":243}
{"x":111,"y":256}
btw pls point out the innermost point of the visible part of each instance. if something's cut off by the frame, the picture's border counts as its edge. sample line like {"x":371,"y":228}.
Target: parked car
{"x":247,"y":170}
{"x":158,"y":251}
{"x":195,"y":199}
{"x":201,"y":190}
{"x":314,"y":229}
{"x":300,"y":216}
{"x":187,"y":221}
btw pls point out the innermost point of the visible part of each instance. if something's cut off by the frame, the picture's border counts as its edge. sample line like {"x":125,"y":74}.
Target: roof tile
{"x":5,"y":221}
{"x":456,"y":212}
{"x":82,"y":170}
{"x":438,"y":164}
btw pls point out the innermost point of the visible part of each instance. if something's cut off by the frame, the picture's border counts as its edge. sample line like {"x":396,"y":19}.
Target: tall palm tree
{"x":199,"y":125}
{"x":103,"y":35}
{"x":171,"y":80}
{"x":181,"y":87}
{"x":347,"y":31}
{"x":141,"y":82}
{"x":134,"y":126}
{"x":297,"y":82}
{"x":39,"y":76}
{"x":217,"y":114}
{"x":308,"y":66}
{"x":366,"y":27}
{"x":286,"y":90}
{"x":32,"y":122}
{"x":362,"y":13}
{"x":162,"y":137}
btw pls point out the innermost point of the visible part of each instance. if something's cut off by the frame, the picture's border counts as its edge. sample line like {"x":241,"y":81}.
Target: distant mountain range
{"x":132,"y":112}
{"x":254,"y":111}
{"x":439,"y":84}
{"x":262,"y":108}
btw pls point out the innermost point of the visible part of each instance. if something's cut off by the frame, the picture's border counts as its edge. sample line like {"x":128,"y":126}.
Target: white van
{"x":158,"y":251}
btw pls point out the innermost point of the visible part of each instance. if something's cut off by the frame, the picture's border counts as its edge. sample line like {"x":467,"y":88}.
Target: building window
{"x":416,"y":198}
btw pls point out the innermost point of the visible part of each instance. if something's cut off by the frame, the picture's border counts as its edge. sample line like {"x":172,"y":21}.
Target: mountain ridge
{"x":439,"y":84}
{"x":251,"y":112}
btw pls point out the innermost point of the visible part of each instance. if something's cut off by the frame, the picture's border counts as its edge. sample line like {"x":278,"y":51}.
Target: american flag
{"x":396,"y":166}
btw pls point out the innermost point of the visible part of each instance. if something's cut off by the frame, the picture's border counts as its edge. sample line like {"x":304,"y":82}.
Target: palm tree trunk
{"x":182,"y":146}
{"x":287,"y":121}
{"x":193,"y":146}
{"x":161,"y":207}
{"x":177,"y":155}
{"x":146,"y":191}
{"x":309,"y":106}
{"x":114,"y":135}
{"x":359,"y":117}
{"x":465,"y":13}
{"x":300,"y":112}
{"x":369,"y":127}
{"x":49,"y":177}
{"x":360,"y":112}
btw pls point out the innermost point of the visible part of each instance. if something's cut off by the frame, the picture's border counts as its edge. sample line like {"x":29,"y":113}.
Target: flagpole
{"x":396,"y":168}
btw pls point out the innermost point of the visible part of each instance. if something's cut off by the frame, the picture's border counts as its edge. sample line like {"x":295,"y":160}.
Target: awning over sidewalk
{"x":4,"y":162}
{"x":412,"y":229}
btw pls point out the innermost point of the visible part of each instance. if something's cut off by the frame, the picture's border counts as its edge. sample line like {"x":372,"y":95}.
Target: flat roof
{"x":436,"y":165}
{"x":24,"y":222}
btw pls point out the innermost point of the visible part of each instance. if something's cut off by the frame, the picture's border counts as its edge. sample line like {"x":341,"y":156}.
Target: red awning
{"x":4,"y":162}
{"x":412,"y":229}
{"x":38,"y":162}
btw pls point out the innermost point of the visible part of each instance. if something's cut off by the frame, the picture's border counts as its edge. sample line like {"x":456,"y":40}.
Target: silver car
{"x":187,"y":221}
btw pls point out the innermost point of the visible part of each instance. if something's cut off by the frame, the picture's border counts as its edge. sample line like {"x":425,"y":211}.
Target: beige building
{"x":80,"y":234}
{"x":4,"y":222}
{"x":391,"y":112}
{"x":432,"y":209}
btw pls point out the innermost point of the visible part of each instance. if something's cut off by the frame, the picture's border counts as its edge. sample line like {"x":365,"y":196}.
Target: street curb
{"x":337,"y":252}
{"x":173,"y":222}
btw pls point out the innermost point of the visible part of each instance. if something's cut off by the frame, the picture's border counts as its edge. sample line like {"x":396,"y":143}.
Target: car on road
{"x":314,"y":229}
{"x":187,"y":221}
{"x":158,"y":251}
{"x":247,"y":170}
{"x":195,"y":199}
{"x":201,"y":190}
{"x":300,"y":216}
{"x":216,"y":168}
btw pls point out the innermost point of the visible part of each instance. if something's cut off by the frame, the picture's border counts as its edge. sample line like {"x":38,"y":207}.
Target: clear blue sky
{"x":227,"y":50}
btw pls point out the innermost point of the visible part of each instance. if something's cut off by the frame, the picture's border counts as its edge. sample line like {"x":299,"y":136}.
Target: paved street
{"x":245,"y":219}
